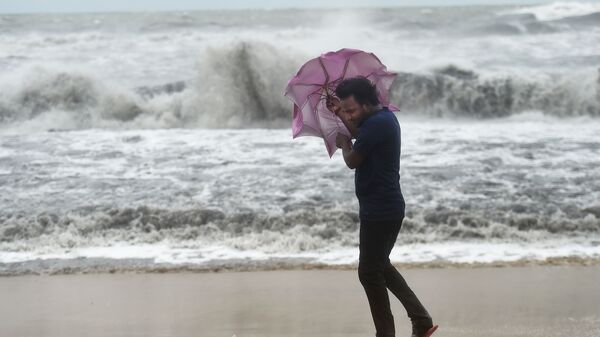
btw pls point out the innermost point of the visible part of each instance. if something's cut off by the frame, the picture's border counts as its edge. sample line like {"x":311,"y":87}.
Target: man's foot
{"x":421,"y":331}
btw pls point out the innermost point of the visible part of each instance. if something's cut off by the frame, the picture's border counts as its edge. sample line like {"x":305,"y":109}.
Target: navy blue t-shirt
{"x":377,"y":178}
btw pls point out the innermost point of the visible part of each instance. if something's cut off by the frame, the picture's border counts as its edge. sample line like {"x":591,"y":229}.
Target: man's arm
{"x":353,"y":159}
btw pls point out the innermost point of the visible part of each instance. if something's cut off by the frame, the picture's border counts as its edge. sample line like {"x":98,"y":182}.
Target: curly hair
{"x":360,"y":87}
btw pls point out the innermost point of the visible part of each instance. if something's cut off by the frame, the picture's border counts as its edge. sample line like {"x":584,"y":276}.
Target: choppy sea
{"x":162,"y":140}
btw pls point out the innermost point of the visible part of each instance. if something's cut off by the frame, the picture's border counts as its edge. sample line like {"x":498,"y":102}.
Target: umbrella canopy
{"x":315,"y":83}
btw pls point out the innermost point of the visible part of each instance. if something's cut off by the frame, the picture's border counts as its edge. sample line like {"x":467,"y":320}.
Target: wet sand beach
{"x":512,"y":301}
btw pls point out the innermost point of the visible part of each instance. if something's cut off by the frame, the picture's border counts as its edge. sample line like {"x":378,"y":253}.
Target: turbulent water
{"x":147,"y":139}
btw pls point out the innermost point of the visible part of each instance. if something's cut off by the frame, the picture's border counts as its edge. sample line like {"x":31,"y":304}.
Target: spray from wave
{"x":452,"y":91}
{"x":239,"y":85}
{"x":234,"y":86}
{"x":297,"y":230}
{"x":559,"y":10}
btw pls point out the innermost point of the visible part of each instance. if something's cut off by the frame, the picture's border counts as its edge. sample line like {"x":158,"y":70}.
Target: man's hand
{"x":351,"y":158}
{"x":342,"y":141}
{"x":333,"y":104}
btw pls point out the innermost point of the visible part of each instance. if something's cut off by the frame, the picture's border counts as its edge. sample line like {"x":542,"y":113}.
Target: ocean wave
{"x":298,"y":229}
{"x":583,"y":20}
{"x":559,"y":10}
{"x":84,"y":96}
{"x":513,"y":25}
{"x":452,"y":91}
{"x":149,"y":239}
{"x":238,"y":85}
{"x":82,"y":264}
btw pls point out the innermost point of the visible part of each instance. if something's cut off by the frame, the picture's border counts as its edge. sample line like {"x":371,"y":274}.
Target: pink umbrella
{"x":315,"y":82}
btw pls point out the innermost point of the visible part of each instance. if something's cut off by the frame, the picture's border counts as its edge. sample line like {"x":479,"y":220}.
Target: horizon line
{"x":137,"y":10}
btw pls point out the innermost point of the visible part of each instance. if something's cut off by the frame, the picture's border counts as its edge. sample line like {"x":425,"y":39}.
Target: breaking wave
{"x":240,"y":85}
{"x":560,"y":10}
{"x":452,"y":91}
{"x":235,"y":86}
{"x":297,"y":229}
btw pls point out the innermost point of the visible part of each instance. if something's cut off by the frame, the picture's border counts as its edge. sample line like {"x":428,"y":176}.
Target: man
{"x":376,"y":157}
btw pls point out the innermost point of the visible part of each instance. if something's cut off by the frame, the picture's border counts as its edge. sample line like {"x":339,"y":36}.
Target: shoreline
{"x":539,"y":301}
{"x":85,"y":266}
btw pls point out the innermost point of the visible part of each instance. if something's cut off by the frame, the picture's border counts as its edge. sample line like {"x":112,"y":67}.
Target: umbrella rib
{"x":325,"y":71}
{"x":345,"y":67}
{"x":309,"y":96}
{"x":371,"y":73}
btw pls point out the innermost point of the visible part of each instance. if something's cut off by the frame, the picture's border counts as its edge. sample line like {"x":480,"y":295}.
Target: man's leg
{"x":417,"y":313}
{"x":371,"y":268}
{"x":399,"y":287}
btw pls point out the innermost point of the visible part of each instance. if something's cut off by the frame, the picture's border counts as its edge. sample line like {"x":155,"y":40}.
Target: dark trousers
{"x":377,"y":274}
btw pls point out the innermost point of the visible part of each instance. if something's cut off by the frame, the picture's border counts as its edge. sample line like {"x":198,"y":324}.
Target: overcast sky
{"x":19,"y":6}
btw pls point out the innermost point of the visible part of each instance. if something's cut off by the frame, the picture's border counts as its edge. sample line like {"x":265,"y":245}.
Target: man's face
{"x":355,"y":113}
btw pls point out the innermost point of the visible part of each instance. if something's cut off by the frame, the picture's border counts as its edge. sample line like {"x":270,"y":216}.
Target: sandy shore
{"x":513,"y":301}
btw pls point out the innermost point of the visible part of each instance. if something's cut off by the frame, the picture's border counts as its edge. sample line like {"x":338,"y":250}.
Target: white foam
{"x":560,"y":10}
{"x":453,"y":252}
